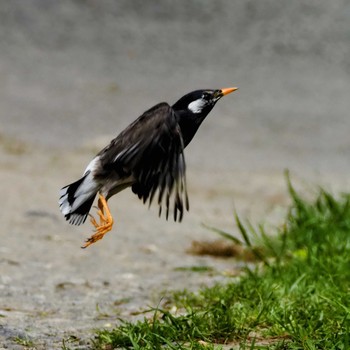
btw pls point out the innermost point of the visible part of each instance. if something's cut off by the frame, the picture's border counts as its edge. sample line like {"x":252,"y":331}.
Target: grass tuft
{"x":298,"y":298}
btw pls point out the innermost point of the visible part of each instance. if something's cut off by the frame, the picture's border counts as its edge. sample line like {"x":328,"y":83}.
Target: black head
{"x":201,"y":101}
{"x":192,"y":109}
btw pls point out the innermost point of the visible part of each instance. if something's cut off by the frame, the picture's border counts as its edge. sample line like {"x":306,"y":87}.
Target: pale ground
{"x":51,"y":289}
{"x":74,"y":73}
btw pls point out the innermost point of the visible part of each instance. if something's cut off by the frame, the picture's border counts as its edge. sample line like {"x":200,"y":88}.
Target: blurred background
{"x":73,"y":74}
{"x":73,"y":71}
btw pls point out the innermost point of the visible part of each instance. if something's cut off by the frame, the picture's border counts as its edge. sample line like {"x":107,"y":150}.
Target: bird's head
{"x":201,"y":102}
{"x":192,"y":109}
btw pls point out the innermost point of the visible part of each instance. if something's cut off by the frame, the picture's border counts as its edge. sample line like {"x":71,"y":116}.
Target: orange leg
{"x":106,"y":222}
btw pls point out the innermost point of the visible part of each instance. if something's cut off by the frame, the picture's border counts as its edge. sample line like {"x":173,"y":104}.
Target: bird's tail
{"x":76,"y":199}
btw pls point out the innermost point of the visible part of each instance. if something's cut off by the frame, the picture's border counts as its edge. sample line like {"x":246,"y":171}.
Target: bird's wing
{"x":151,"y":149}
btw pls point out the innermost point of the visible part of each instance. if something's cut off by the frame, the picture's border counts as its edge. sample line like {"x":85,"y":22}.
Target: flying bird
{"x":147,"y":156}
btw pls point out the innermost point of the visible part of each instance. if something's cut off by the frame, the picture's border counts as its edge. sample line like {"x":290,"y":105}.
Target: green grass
{"x":27,"y":343}
{"x":296,"y":297}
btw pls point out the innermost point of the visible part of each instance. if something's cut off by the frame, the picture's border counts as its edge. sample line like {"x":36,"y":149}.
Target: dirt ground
{"x":74,"y":73}
{"x":51,"y":289}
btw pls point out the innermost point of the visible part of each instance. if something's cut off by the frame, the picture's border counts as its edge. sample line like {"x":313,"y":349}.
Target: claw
{"x":105,"y":225}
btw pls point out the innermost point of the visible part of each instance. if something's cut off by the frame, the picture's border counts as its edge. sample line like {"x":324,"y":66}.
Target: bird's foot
{"x":105,"y":224}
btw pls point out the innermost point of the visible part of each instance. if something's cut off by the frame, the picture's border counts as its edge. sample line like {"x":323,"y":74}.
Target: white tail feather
{"x":76,"y":199}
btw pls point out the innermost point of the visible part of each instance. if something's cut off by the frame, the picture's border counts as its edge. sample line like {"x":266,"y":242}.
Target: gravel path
{"x":51,"y":289}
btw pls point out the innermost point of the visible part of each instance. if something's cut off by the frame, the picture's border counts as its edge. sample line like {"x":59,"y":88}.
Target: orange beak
{"x":228,"y":90}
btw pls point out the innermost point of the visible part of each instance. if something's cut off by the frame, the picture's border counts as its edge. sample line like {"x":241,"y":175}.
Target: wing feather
{"x":152,"y":150}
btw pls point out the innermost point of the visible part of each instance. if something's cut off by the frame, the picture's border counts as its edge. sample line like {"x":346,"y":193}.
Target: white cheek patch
{"x":196,"y":106}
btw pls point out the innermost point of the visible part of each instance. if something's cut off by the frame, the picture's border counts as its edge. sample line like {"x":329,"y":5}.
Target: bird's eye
{"x":206,"y":96}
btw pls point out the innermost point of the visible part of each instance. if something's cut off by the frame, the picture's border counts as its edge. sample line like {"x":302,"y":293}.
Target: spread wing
{"x":151,"y":150}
